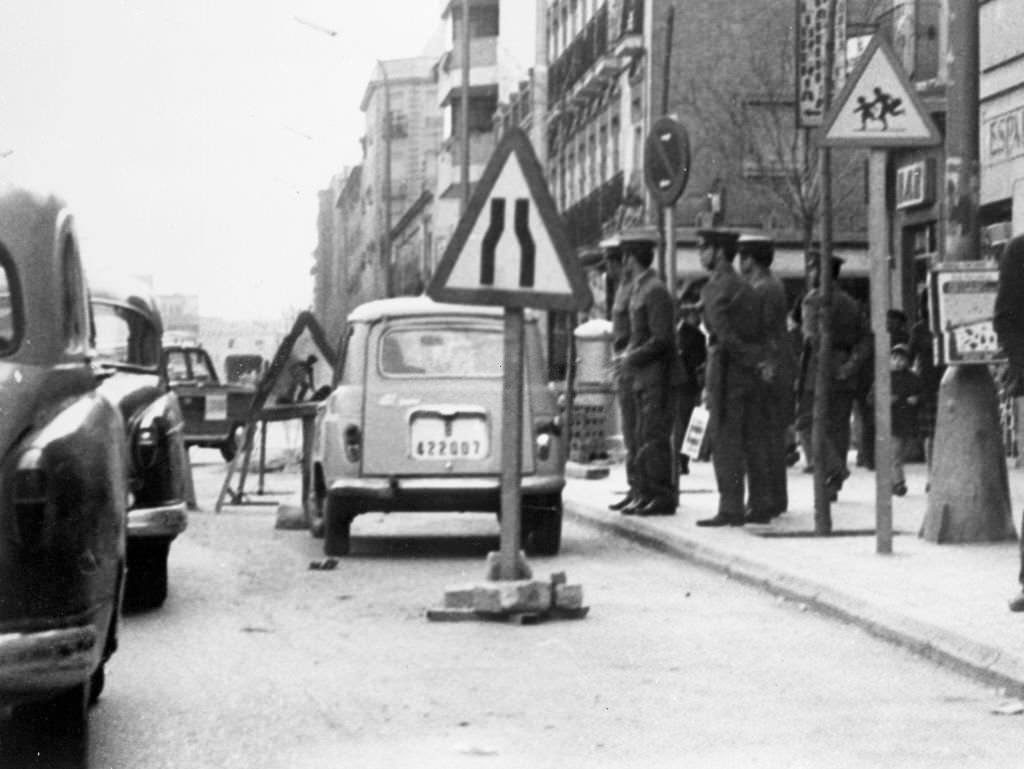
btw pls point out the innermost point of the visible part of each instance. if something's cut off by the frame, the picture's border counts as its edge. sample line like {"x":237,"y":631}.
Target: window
{"x":10,"y":306}
{"x":201,"y":367}
{"x":72,"y":294}
{"x":448,"y":352}
{"x":177,"y":366}
{"x":123,"y":336}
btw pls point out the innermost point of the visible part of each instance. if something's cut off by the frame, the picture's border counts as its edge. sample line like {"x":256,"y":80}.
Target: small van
{"x":414,"y":422}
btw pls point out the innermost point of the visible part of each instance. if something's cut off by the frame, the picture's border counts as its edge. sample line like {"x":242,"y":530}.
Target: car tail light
{"x":353,"y":443}
{"x":150,"y":442}
{"x":31,"y":491}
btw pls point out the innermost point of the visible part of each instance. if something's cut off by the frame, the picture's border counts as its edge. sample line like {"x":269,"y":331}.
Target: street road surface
{"x":258,"y":662}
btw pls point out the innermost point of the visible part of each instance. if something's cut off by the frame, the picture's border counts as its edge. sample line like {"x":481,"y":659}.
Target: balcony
{"x":585,"y":221}
{"x":585,"y":68}
{"x":627,"y":27}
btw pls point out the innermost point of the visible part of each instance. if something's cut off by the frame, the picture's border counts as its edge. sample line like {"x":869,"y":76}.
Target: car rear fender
{"x":341,"y":413}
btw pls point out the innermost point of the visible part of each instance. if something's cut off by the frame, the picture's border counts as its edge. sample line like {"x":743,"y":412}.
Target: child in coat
{"x":906,"y":397}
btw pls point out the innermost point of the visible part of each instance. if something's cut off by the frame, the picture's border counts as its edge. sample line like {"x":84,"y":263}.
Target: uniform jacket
{"x":620,"y":315}
{"x":771,"y":295}
{"x":1008,"y":317}
{"x":851,"y":338}
{"x":732,"y":317}
{"x":651,"y":358}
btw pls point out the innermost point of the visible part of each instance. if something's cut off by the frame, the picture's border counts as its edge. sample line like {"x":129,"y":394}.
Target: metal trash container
{"x":594,"y":416}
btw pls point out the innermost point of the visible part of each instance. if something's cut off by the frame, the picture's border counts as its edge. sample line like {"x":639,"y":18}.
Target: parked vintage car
{"x":63,"y":486}
{"x":126,"y":338}
{"x":215,"y":412}
{"x":415,"y":418}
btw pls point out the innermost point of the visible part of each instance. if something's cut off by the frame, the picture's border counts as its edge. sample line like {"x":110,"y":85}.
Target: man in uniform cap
{"x":768,"y":495}
{"x":653,"y":365}
{"x":621,"y":288}
{"x":736,"y":366}
{"x":850,"y":350}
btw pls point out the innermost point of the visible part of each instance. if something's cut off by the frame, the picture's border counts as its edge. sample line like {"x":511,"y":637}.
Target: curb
{"x":984,"y":663}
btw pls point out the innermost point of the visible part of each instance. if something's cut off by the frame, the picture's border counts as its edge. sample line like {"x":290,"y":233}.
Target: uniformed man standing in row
{"x":653,"y":365}
{"x":775,"y":411}
{"x":851,"y":349}
{"x":737,"y":365}
{"x":620,"y":280}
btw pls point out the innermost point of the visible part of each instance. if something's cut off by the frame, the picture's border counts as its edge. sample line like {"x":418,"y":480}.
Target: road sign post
{"x":879,"y":109}
{"x":510,"y":249}
{"x":666,"y":171}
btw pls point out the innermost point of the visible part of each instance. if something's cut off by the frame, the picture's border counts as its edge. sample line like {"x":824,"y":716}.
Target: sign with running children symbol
{"x":878,"y":106}
{"x":509,"y":248}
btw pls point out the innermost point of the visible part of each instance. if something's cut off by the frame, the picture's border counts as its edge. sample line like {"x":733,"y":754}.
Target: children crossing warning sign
{"x":879,"y":106}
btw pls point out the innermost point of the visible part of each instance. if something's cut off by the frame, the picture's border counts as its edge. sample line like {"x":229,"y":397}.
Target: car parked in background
{"x":127,"y":330}
{"x":63,"y":485}
{"x":414,"y":422}
{"x":215,"y":411}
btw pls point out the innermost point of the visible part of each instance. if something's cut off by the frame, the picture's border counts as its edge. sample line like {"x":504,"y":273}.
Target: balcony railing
{"x":588,"y":48}
{"x":585,"y":221}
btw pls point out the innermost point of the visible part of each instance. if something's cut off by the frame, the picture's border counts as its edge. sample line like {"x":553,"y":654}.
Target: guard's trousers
{"x":734,"y":429}
{"x":654,"y":417}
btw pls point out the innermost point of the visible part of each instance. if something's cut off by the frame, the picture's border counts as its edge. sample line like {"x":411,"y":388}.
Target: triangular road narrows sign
{"x":510,"y":248}
{"x":879,"y":106}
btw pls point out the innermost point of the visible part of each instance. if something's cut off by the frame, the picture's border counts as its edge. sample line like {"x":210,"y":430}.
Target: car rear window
{"x":448,"y":352}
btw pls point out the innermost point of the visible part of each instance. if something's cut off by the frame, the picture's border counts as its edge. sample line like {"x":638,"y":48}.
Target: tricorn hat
{"x":900,"y":349}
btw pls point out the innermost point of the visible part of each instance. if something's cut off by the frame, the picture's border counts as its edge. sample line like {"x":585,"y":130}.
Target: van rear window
{"x":447,"y":352}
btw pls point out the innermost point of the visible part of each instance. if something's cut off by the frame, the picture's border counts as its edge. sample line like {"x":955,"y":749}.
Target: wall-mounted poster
{"x":962,"y":297}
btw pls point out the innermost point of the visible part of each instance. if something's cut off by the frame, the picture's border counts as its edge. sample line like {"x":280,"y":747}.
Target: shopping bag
{"x":696,"y":433}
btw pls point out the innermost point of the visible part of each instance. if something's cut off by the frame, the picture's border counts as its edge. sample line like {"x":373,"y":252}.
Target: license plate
{"x":461,"y":437}
{"x":216,"y":406}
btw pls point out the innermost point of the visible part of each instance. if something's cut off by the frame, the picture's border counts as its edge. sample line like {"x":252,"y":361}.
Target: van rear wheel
{"x":337,"y":529}
{"x":542,"y":524}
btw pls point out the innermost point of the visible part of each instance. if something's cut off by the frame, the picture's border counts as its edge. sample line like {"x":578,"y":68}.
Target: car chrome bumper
{"x":49,"y":660}
{"x":162,"y":521}
{"x":412,"y":493}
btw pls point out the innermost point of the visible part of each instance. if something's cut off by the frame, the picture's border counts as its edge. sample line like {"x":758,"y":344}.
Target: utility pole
{"x":464,"y":112}
{"x":968,"y":497}
{"x":389,"y":283}
{"x":823,"y":339}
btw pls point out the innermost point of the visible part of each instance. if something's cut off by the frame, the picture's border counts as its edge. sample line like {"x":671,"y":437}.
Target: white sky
{"x":190,"y":137}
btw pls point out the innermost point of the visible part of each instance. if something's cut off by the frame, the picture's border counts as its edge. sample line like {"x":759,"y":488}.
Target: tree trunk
{"x":969,"y":496}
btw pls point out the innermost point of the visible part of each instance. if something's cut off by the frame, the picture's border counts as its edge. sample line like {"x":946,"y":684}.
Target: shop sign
{"x":915,"y":184}
{"x":1004,"y":136}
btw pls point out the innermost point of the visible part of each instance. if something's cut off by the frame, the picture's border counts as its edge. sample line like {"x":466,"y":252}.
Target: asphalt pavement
{"x":945,"y":602}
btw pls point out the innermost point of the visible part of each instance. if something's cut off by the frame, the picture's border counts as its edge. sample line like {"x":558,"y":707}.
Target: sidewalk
{"x":944,"y":602}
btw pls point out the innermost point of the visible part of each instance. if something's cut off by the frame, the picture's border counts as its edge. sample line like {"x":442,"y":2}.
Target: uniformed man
{"x":775,"y":398}
{"x":851,"y":349}
{"x":620,"y":283}
{"x":737,"y":364}
{"x":1008,"y":322}
{"x":653,"y":365}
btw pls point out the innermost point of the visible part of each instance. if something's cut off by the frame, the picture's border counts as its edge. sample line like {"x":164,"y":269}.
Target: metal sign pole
{"x":511,"y":444}
{"x":878,"y":227}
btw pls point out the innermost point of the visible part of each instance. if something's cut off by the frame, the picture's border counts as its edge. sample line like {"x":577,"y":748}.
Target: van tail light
{"x":546,"y":433}
{"x":353,"y":443}
{"x":31,"y":489}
